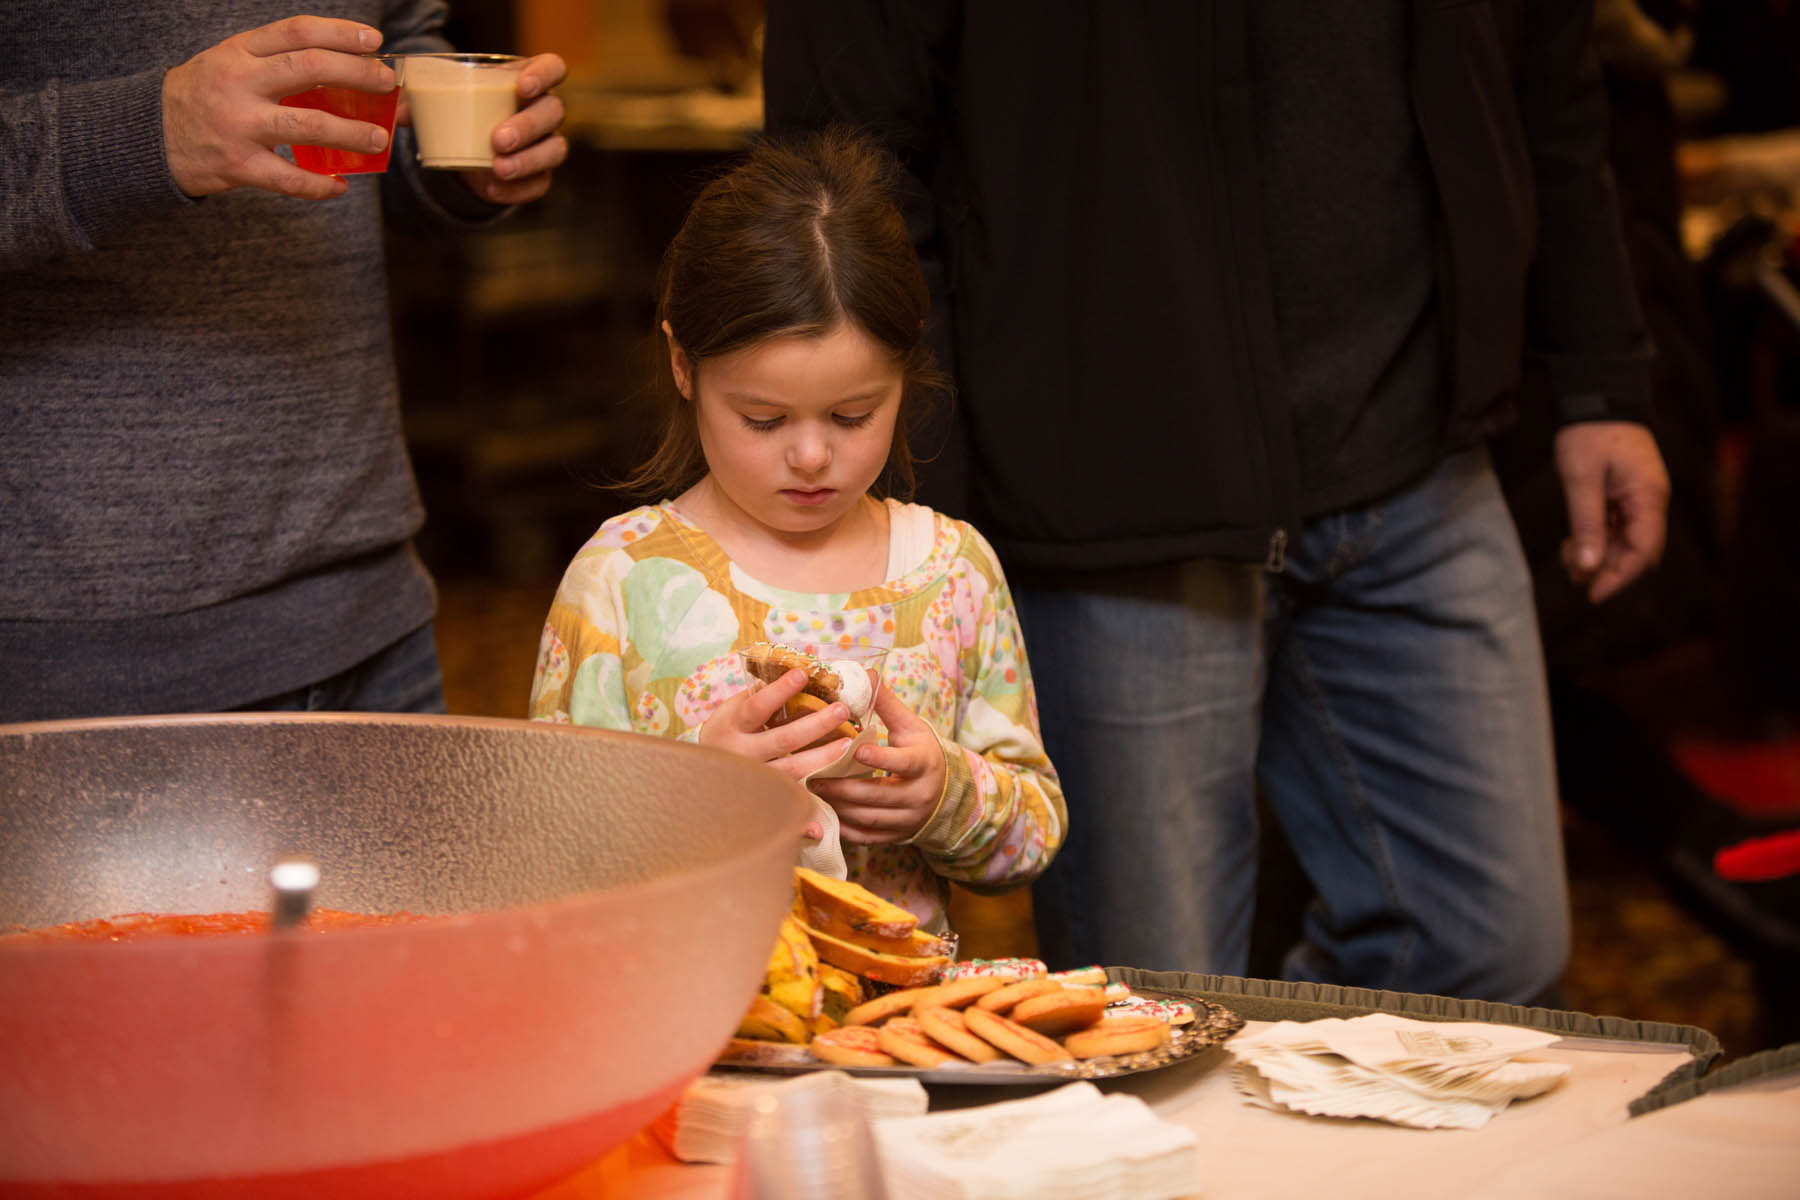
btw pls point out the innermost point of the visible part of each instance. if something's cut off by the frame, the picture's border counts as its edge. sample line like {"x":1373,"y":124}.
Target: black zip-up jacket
{"x":1083,"y":192}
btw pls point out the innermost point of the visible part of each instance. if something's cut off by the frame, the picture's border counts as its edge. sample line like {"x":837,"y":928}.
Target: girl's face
{"x":797,"y":429}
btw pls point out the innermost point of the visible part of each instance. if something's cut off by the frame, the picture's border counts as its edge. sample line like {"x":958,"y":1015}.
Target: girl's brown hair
{"x":800,"y":237}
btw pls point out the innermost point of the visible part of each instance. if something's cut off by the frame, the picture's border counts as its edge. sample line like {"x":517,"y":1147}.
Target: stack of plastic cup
{"x":809,"y":1139}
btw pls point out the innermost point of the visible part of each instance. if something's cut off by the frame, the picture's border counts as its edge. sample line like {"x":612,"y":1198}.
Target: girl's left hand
{"x":893,"y":807}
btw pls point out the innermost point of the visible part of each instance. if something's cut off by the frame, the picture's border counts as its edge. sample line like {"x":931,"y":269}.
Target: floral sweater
{"x":642,"y":636}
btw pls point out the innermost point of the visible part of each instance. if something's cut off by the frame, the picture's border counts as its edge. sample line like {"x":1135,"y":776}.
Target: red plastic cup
{"x":375,"y":108}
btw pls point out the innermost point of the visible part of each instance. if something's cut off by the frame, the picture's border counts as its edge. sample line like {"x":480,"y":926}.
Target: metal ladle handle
{"x":293,"y":880}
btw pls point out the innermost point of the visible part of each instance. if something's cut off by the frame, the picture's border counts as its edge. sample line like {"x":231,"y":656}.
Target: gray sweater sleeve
{"x":81,"y":161}
{"x":78,"y":162}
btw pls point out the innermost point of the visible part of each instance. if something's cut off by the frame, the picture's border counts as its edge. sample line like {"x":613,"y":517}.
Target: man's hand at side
{"x":1617,"y":491}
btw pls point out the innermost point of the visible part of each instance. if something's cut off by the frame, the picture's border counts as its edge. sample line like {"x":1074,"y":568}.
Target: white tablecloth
{"x":1246,"y":1151}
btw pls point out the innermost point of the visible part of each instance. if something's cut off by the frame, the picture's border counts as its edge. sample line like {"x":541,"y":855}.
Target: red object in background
{"x":1757,"y":860}
{"x":375,"y":108}
{"x":1756,"y":778}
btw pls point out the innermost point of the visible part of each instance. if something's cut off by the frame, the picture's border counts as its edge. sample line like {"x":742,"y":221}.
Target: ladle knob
{"x":293,"y":880}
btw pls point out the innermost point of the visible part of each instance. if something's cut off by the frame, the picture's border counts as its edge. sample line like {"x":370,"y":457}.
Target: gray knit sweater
{"x":205,"y":497}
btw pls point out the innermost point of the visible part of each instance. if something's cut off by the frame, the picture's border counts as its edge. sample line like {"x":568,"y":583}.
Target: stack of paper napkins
{"x":1427,"y":1074}
{"x":710,"y":1119}
{"x":1074,"y":1141}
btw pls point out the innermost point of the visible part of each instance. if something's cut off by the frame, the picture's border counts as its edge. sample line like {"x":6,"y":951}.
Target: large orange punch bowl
{"x":600,"y":908}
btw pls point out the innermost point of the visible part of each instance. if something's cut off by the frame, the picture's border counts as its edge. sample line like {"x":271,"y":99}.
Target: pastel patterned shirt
{"x":643,"y":634}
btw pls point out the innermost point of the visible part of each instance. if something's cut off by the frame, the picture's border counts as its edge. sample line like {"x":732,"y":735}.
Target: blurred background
{"x":1677,"y":709}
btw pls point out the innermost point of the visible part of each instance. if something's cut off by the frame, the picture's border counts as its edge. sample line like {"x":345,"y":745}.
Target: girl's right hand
{"x":739,"y":725}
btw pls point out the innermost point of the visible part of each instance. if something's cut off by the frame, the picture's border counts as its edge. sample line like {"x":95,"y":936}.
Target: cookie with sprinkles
{"x":1170,"y":1012}
{"x":1095,"y":976}
{"x":1009,"y":969}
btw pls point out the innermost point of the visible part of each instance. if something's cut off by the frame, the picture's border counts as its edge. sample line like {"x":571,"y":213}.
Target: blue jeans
{"x":1386,"y":691}
{"x":403,"y":677}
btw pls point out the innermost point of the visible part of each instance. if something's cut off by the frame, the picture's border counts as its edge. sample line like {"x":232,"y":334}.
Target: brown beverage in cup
{"x":456,"y":100}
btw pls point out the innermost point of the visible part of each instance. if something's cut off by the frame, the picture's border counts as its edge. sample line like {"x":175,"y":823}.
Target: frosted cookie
{"x":1170,"y":1012}
{"x":851,"y":1046}
{"x":1117,"y":1035}
{"x":1007,"y":970}
{"x":1093,"y":976}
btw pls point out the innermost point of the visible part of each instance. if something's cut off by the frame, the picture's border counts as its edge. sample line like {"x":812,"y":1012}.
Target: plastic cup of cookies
{"x":850,"y":673}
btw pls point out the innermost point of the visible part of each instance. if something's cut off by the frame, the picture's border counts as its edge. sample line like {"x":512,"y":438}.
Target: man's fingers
{"x":531,"y":127}
{"x":280,"y":175}
{"x":298,"y":33}
{"x":1586,"y":497}
{"x":540,"y":73}
{"x":1611,"y":469}
{"x":287,"y":74}
{"x":313,"y":127}
{"x":523,"y":191}
{"x":530,"y":168}
{"x":1637,"y":546}
{"x":1644,"y":517}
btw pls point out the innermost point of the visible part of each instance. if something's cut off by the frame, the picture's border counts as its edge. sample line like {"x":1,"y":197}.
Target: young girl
{"x":794,"y":311}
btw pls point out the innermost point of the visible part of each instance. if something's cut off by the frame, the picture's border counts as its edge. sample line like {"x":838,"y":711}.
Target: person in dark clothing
{"x":1233,"y":294}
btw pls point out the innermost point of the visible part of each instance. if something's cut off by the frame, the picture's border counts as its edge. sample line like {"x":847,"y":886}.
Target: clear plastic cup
{"x":809,"y":1139}
{"x":850,"y":663}
{"x":377,"y":108}
{"x":456,"y":100}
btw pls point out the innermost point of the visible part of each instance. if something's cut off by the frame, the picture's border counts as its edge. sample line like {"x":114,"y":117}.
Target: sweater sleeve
{"x":1583,"y":321}
{"x":1001,"y":818}
{"x":80,"y":161}
{"x":84,"y":160}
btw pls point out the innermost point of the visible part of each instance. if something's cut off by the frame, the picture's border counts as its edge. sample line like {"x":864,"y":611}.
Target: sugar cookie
{"x":1062,"y":1011}
{"x":1001,"y":1000}
{"x":946,"y":1027}
{"x":1026,"y":1045}
{"x":892,"y":1004}
{"x":960,"y":992}
{"x":1117,"y":1035}
{"x":907,"y":1041}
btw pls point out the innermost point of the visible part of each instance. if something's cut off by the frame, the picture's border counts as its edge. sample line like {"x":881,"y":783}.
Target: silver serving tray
{"x":1212,"y":1024}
